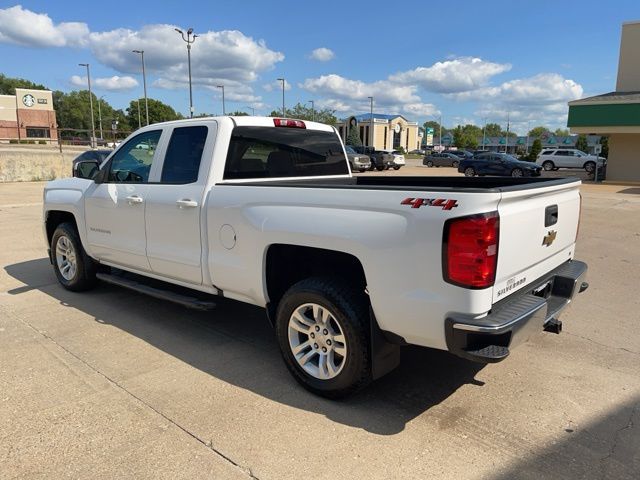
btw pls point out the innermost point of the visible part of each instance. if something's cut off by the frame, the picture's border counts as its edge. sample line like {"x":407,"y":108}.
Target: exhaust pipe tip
{"x":553,"y":326}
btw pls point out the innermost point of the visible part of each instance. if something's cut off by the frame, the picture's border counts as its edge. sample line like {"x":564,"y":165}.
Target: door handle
{"x":133,"y":199}
{"x":186,"y":203}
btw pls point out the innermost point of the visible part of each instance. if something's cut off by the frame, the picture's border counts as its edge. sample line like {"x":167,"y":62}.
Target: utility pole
{"x":484,"y":133}
{"x":190,"y":38}
{"x":139,"y":121}
{"x":506,"y":138}
{"x":253,"y":110}
{"x":93,"y":126}
{"x":224,"y":111}
{"x":284,"y":112}
{"x":371,"y":122}
{"x":100,"y":117}
{"x":313,"y":111}
{"x":144,"y":82}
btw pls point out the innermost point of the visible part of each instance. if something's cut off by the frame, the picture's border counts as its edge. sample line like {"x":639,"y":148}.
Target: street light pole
{"x":93,"y":126}
{"x":284,"y":112}
{"x":224,"y":111}
{"x":371,"y":122}
{"x":139,"y":121}
{"x":484,"y":134}
{"x":100,"y":117}
{"x":144,"y":82}
{"x":253,"y":110}
{"x":506,"y":138}
{"x":190,"y":38}
{"x":440,"y":135}
{"x":313,"y":111}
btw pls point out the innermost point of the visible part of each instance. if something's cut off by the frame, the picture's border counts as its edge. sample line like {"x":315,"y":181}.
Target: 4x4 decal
{"x":444,"y":203}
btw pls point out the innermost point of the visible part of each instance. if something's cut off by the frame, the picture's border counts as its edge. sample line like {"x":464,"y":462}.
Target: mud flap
{"x":385,"y":356}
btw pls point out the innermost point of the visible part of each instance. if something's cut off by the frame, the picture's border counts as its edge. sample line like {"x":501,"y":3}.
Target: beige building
{"x":617,"y":114}
{"x":28,"y":115}
{"x":389,"y":132}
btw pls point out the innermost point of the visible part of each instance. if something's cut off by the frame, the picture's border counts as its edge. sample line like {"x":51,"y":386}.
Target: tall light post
{"x":371,"y":121}
{"x":506,"y":137}
{"x":93,"y":126}
{"x":100,"y":116}
{"x":484,"y":134}
{"x":144,"y":82}
{"x":224,"y":111}
{"x":313,"y":110}
{"x":284,"y":112}
{"x":253,"y":110}
{"x":139,"y":121}
{"x":189,"y":39}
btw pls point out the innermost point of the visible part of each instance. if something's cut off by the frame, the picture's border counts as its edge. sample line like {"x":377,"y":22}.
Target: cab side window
{"x":184,"y":154}
{"x":132,"y":163}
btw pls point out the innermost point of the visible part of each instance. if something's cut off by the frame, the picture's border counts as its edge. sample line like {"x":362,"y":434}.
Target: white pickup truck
{"x":266,"y":211}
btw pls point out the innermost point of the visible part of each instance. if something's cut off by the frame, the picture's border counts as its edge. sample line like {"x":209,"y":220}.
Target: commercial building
{"x":28,"y":115}
{"x":617,"y":114}
{"x":386,"y":132}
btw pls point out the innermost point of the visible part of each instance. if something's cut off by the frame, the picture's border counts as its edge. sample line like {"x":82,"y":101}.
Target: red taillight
{"x":470,"y":250}
{"x":286,"y":122}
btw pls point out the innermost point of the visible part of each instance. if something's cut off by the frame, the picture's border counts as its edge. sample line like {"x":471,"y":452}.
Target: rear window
{"x":263,"y":152}
{"x":547,"y":152}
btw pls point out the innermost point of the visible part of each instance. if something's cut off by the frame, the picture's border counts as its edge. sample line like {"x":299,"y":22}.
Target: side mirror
{"x":86,"y":169}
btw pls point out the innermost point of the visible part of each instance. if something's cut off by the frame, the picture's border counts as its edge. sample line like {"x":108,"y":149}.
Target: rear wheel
{"x":362,"y":170}
{"x":75,"y":270}
{"x":469,"y":172}
{"x":380,"y":167}
{"x":429,"y":163}
{"x":455,"y":164}
{"x":322,"y":327}
{"x":396,"y":168}
{"x":516,"y":172}
{"x":548,"y":165}
{"x":590,"y":166}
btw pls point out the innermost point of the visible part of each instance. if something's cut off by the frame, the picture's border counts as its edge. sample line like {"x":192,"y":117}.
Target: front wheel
{"x":429,"y":164}
{"x":380,"y":167}
{"x":548,"y":166}
{"x":362,"y":170}
{"x":455,"y":164}
{"x":75,"y":270}
{"x":322,"y":329}
{"x":469,"y":172}
{"x":516,"y":172}
{"x":589,"y":167}
{"x":396,"y":168}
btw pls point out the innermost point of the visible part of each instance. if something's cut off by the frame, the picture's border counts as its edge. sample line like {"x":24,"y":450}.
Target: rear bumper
{"x":513,"y":320}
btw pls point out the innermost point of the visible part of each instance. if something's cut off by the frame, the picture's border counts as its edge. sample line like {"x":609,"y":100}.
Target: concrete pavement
{"x":112,"y":384}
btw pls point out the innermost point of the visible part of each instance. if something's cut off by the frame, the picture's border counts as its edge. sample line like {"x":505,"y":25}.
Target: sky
{"x":466,"y":61}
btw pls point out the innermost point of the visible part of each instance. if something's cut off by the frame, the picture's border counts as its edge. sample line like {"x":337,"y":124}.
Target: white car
{"x":398,"y":159}
{"x":555,"y":158}
{"x":265,"y":211}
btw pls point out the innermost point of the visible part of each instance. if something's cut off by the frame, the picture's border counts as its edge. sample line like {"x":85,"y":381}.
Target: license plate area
{"x":543,"y":290}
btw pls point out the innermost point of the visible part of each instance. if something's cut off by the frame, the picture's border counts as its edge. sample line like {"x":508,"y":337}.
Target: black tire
{"x":517,"y":172}
{"x":429,"y":163}
{"x":548,"y":165}
{"x":350,"y":308}
{"x":362,"y":170}
{"x":455,"y":164}
{"x":469,"y":172}
{"x":589,"y":167}
{"x":379,"y":168}
{"x":86,"y":268}
{"x":396,"y":168}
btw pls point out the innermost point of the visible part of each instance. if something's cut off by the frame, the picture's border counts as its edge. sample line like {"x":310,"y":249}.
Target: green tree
{"x":8,"y":85}
{"x":538,"y":132}
{"x":158,"y":112}
{"x":536,"y":148}
{"x":302,"y":112}
{"x":353,"y":138}
{"x":466,"y":136}
{"x":604,"y":141}
{"x":581,"y":143}
{"x":493,"y":130}
{"x":561,"y":132}
{"x":239,"y":113}
{"x":436,"y":128}
{"x":73,"y":112}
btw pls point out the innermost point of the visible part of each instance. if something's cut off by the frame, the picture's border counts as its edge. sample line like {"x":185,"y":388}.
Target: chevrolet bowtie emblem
{"x":549,"y":238}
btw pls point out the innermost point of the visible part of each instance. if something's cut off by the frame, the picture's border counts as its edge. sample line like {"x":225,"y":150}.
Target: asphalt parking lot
{"x":112,"y":384}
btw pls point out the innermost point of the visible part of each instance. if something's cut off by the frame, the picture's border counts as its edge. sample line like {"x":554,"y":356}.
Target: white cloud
{"x":30,"y":29}
{"x":383,"y":91}
{"x":112,"y":84}
{"x":276,"y":85}
{"x":420,"y":109}
{"x":322,"y":54}
{"x":226,"y":55}
{"x":456,"y":75}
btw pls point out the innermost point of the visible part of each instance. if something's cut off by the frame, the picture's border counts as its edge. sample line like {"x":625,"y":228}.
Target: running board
{"x":184,"y":300}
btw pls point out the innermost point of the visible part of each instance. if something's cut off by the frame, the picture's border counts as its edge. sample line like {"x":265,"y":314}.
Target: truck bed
{"x":415,"y":183}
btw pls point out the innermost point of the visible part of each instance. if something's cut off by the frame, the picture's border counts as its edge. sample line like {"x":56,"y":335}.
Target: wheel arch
{"x":53,"y":218}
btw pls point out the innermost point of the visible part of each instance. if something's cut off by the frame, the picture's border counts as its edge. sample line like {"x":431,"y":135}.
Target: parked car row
{"x":500,"y":164}
{"x":553,"y":159}
{"x":380,"y":159}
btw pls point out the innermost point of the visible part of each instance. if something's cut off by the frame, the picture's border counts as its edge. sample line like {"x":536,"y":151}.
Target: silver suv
{"x":555,"y":158}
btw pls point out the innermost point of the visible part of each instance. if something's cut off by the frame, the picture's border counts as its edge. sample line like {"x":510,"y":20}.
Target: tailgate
{"x":538,"y":229}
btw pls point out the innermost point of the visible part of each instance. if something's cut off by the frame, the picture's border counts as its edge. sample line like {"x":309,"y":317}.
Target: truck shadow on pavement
{"x":235,"y":344}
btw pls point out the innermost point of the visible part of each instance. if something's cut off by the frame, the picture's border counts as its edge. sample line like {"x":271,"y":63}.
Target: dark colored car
{"x":443,"y":159}
{"x":380,"y":160}
{"x":98,"y":155}
{"x":499,"y":164}
{"x":460,"y":153}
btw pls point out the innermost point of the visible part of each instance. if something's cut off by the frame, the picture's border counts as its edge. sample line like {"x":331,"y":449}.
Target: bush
{"x":13,"y":140}
{"x":23,"y":142}
{"x":42,"y":142}
{"x":31,"y":142}
{"x":401,"y":150}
